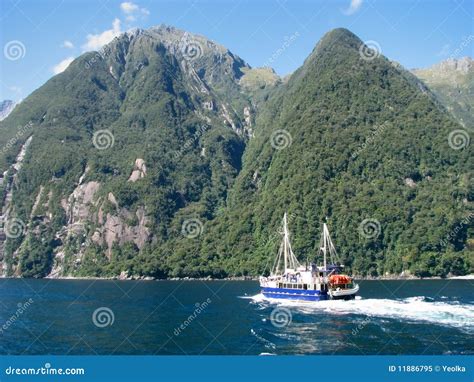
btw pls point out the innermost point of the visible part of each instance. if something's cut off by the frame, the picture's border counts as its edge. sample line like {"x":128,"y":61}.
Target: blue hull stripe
{"x":295,"y":294}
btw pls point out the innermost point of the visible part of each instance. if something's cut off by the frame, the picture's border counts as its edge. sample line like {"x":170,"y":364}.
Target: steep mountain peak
{"x":168,"y":33}
{"x":177,"y":41}
{"x":338,"y":51}
{"x":341,"y":35}
{"x":197,"y":55}
{"x":335,"y":39}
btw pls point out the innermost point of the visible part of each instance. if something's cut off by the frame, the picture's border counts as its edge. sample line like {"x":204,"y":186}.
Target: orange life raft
{"x":339,"y":279}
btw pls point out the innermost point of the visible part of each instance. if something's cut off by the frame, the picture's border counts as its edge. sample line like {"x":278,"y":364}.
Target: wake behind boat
{"x":288,"y":279}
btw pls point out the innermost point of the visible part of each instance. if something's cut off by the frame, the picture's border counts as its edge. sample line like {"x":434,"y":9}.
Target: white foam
{"x":417,"y":308}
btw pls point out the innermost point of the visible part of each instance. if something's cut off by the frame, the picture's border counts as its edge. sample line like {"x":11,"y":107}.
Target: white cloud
{"x":132,"y":10}
{"x":62,"y":66}
{"x":67,"y":44}
{"x":97,"y":41}
{"x":129,"y":7}
{"x":353,"y":7}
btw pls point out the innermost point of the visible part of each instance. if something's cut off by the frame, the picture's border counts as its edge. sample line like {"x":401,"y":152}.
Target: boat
{"x":290,"y":280}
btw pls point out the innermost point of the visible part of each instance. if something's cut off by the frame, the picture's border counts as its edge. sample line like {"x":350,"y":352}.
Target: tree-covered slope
{"x":149,"y":158}
{"x":126,"y":144}
{"x":353,"y":139}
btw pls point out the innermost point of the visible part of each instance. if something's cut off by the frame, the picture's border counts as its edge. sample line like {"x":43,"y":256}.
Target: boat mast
{"x":324,"y":243}
{"x":285,"y":241}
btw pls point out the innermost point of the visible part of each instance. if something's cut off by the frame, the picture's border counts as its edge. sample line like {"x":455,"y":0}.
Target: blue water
{"x":231,"y":317}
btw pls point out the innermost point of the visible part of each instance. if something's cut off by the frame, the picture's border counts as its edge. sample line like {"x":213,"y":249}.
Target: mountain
{"x":6,"y":108}
{"x":453,"y":83}
{"x":123,"y":146}
{"x":166,"y":155}
{"x":354,"y":139}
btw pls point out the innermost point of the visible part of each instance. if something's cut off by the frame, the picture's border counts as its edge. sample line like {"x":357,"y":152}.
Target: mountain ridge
{"x":155,"y":160}
{"x":452,"y":81}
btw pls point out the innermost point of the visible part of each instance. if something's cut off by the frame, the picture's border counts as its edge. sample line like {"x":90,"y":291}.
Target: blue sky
{"x":40,"y":37}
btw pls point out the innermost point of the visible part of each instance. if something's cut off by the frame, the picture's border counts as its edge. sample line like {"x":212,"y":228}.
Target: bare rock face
{"x":78,"y":212}
{"x":248,"y":122}
{"x":111,"y":199}
{"x":37,"y":201}
{"x":410,"y":182}
{"x":57,"y":269}
{"x":7,"y":207}
{"x":139,"y":171}
{"x":228,"y":119}
{"x":462,"y":65}
{"x":6,"y":107}
{"x":79,"y":202}
{"x":116,"y":229}
{"x":123,"y":275}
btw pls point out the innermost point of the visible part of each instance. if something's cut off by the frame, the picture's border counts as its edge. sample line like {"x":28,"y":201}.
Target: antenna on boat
{"x":285,"y":254}
{"x":285,"y":240}
{"x":289,"y":259}
{"x":325,"y":228}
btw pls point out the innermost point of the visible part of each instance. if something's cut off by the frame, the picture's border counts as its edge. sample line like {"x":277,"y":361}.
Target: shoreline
{"x":241,"y":278}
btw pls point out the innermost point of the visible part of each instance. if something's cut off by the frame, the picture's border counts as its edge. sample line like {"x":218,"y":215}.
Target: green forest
{"x":344,"y":140}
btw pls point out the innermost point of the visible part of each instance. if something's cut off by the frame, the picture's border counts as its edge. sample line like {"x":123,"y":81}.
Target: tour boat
{"x":290,"y":280}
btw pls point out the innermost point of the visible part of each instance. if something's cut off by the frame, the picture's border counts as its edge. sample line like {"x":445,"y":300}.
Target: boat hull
{"x":295,"y":294}
{"x":344,"y":294}
{"x":346,"y":297}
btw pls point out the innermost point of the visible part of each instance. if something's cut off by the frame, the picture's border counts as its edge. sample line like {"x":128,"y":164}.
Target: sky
{"x":39,"y":38}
